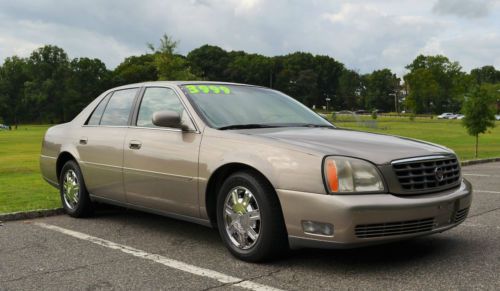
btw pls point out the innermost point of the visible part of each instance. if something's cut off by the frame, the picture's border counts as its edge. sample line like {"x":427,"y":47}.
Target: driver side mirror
{"x":167,"y":119}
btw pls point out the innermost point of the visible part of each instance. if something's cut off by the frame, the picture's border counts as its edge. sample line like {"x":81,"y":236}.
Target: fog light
{"x":314,"y":227}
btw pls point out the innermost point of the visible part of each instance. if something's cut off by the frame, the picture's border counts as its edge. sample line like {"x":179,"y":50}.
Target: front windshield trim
{"x":324,"y":122}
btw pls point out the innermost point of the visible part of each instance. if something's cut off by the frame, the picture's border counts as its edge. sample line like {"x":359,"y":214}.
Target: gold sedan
{"x":265,"y":170}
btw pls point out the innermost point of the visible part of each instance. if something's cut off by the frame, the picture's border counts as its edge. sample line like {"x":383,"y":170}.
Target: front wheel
{"x":249,"y":218}
{"x":74,"y":196}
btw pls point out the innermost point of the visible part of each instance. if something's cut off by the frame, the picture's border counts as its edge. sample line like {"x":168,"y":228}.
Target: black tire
{"x":272,"y":240}
{"x":83,"y":207}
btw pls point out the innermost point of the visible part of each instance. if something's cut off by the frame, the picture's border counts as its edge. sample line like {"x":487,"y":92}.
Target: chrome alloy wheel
{"x":71,"y":189}
{"x":242,"y":217}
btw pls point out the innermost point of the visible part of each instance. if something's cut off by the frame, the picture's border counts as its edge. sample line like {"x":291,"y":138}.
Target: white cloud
{"x":464,"y":8}
{"x":78,"y":42}
{"x":363,"y":34}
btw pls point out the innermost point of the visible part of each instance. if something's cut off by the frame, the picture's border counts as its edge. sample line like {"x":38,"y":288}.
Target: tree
{"x":209,"y":62}
{"x":379,"y":89}
{"x":135,"y":69}
{"x":329,"y":72}
{"x":435,"y":84}
{"x":87,"y":79}
{"x":170,"y":66}
{"x":350,"y":88}
{"x":479,"y":114}
{"x":13,"y":75}
{"x":486,"y":74}
{"x":251,"y":69}
{"x":297,"y":77}
{"x":47,"y":69}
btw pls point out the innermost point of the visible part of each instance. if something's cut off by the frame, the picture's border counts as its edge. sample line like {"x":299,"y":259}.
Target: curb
{"x":58,"y":211}
{"x":30,"y":214}
{"x":481,"y":161}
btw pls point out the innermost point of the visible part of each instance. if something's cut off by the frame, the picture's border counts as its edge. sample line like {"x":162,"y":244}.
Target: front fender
{"x":285,"y":168}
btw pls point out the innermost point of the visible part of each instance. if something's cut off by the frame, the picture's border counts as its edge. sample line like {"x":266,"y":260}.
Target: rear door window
{"x":117,"y":112}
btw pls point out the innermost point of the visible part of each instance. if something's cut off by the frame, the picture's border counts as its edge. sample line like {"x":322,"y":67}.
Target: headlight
{"x":343,"y":174}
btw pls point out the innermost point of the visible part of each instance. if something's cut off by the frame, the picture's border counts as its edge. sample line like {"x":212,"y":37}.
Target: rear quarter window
{"x":95,"y":118}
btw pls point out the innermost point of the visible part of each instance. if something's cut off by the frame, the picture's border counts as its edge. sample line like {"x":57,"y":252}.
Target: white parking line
{"x":486,"y":191}
{"x":484,"y":167}
{"x":468,"y":224}
{"x":478,"y":175}
{"x":223,"y":278}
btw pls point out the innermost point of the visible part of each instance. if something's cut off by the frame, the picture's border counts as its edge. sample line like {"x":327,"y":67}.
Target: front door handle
{"x":135,"y":145}
{"x":83,"y":140}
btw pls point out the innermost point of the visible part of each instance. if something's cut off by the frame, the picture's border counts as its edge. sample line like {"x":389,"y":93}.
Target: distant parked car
{"x":459,"y":116}
{"x":497,"y":117}
{"x":446,"y":116}
{"x":3,"y":126}
{"x":344,"y":112}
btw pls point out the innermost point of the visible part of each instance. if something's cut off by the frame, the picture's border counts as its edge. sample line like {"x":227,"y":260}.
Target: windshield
{"x":237,"y":106}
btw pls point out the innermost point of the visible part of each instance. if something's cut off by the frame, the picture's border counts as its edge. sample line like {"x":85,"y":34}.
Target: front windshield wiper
{"x":257,"y":125}
{"x":247,"y":126}
{"x":312,"y":125}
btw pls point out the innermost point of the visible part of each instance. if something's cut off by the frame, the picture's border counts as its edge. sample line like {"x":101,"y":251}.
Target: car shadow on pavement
{"x":388,"y":256}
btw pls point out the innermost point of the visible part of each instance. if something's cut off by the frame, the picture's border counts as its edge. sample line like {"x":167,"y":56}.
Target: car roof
{"x":179,"y":83}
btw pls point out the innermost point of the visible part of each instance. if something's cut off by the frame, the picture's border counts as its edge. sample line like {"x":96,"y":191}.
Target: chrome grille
{"x":427,"y":175}
{"x":461,"y":215}
{"x":394,"y":228}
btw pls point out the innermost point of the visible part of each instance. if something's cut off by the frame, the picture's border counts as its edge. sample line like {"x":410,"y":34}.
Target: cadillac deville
{"x":262,"y":168}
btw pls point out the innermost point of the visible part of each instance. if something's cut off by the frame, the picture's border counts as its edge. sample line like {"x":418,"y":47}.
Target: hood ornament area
{"x":439,"y":174}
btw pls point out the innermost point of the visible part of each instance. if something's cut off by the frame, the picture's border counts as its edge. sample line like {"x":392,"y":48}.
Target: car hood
{"x":377,"y":148}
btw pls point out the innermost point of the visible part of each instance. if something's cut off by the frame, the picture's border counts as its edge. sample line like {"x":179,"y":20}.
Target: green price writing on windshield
{"x":206,"y":89}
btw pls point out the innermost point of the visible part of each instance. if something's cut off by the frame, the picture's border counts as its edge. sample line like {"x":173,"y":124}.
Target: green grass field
{"x":22,"y":187}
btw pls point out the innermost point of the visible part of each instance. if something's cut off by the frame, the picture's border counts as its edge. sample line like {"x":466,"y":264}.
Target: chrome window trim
{"x":164,"y":128}
{"x":139,"y":127}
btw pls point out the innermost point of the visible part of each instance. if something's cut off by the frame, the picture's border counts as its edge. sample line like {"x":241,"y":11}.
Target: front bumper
{"x":366,"y":219}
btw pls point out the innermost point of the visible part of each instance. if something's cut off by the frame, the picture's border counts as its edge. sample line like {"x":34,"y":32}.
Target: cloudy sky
{"x":363,"y":34}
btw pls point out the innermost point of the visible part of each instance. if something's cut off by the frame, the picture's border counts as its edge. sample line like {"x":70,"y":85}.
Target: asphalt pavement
{"x":125,"y":249}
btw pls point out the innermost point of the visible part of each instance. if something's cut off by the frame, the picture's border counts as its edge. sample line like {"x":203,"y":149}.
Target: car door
{"x":161,"y":164}
{"x":100,"y":144}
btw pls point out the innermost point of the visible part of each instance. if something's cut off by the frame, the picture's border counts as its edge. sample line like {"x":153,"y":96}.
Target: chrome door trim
{"x":187,"y":178}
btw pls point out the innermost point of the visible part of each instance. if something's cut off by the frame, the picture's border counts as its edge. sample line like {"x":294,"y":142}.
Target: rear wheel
{"x":249,"y":218}
{"x":74,"y":196}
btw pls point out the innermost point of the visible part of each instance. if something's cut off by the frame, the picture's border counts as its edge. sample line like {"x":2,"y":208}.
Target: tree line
{"x":49,"y":87}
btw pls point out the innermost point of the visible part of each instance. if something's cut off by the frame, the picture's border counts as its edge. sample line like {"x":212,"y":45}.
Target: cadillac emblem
{"x":439,"y":174}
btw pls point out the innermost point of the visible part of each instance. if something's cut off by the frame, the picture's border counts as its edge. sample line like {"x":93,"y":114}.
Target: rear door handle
{"x":83,"y":140}
{"x":135,"y":145}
